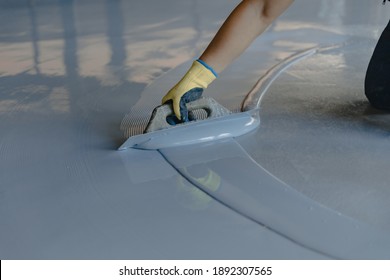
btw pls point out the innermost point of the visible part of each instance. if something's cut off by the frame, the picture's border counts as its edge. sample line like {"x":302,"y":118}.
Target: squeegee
{"x":211,"y":121}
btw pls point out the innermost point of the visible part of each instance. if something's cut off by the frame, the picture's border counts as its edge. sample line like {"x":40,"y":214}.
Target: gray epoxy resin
{"x":246,"y":187}
{"x":69,"y":72}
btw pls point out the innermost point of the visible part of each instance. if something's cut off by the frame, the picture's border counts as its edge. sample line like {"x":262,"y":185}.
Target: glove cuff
{"x":209,"y":67}
{"x":201,"y":75}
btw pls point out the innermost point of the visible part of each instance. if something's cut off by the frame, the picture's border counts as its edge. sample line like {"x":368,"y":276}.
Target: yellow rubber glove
{"x":189,"y":88}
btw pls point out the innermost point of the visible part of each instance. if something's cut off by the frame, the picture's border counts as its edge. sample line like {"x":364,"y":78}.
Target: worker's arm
{"x":247,"y":21}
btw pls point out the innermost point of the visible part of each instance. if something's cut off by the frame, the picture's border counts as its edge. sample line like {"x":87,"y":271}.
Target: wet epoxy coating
{"x":71,"y":70}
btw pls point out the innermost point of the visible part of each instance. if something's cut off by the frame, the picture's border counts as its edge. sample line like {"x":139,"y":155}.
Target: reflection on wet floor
{"x":333,"y":146}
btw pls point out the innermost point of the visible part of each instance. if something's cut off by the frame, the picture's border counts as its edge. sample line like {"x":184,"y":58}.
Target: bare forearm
{"x":248,"y":20}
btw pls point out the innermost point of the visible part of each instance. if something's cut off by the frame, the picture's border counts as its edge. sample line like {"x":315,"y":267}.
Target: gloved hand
{"x":189,"y":88}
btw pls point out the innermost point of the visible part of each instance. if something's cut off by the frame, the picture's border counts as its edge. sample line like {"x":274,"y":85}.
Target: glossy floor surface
{"x":78,"y":77}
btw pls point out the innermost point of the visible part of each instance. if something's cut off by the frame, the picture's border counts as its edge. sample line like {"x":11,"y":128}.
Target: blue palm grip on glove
{"x":189,"y":96}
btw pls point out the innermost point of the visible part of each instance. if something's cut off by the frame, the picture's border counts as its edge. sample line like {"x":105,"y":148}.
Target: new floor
{"x":78,"y":77}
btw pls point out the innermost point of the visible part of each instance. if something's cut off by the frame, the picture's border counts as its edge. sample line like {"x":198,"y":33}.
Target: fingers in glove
{"x":189,"y":96}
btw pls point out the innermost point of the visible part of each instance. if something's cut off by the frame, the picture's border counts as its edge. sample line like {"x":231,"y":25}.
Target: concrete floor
{"x":310,"y":183}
